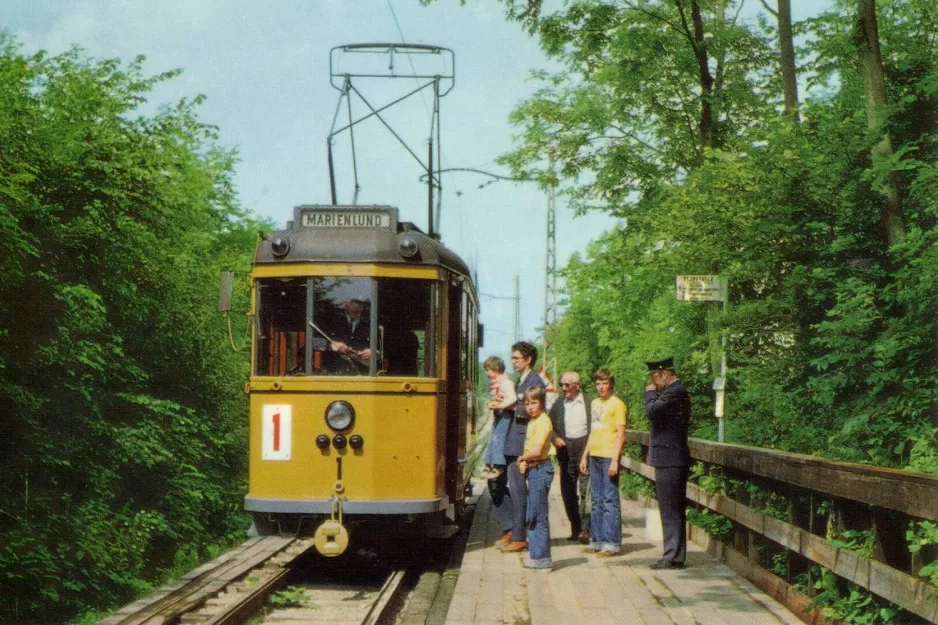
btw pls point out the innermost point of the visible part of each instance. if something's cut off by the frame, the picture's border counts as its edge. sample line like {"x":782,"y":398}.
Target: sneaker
{"x":591,"y":550}
{"x":666,"y":564}
{"x":584,"y":537}
{"x":515,"y":545}
{"x":607,"y":554}
{"x":504,"y":540}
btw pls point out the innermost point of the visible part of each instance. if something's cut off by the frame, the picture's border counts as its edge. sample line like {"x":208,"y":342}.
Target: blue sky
{"x":264,"y":68}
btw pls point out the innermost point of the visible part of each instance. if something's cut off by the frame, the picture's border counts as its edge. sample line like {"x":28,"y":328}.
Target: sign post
{"x":709,"y":288}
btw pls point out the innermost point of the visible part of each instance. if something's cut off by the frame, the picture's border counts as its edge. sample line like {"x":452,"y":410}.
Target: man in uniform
{"x":667,"y":407}
{"x":570,"y":418}
{"x":352,"y":334}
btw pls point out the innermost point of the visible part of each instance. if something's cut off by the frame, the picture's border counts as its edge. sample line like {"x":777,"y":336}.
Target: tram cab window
{"x":281,"y":327}
{"x":341,"y":318}
{"x":406,"y":326}
{"x":331,"y":326}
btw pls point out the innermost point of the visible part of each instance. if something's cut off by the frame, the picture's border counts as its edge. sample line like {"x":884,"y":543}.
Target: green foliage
{"x":124,"y":446}
{"x":919,"y":535}
{"x":830,"y":332}
{"x":767,"y":502}
{"x":860,"y":541}
{"x":709,"y":477}
{"x":854,"y":605}
{"x":290,"y":597}
{"x":632,"y":485}
{"x":779,"y":565}
{"x":830,"y":326}
{"x":714,"y":524}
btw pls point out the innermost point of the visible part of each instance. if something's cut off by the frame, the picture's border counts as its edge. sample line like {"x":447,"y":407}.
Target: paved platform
{"x":494,"y":589}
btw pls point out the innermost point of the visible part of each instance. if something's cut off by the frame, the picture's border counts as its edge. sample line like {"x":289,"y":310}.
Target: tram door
{"x":455,"y":406}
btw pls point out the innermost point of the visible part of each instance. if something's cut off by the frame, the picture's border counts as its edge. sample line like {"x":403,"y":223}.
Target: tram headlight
{"x":340,"y":415}
{"x":280,"y":246}
{"x":408,"y":247}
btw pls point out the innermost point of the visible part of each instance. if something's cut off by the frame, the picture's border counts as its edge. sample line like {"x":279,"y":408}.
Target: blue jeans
{"x":495,"y":451}
{"x":539,"y":480}
{"x":606,"y":515}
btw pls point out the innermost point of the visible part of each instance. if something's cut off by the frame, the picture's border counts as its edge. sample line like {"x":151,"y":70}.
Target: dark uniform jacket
{"x":359,"y":338}
{"x":669,"y":415}
{"x":514,"y":441}
{"x":557,"y":416}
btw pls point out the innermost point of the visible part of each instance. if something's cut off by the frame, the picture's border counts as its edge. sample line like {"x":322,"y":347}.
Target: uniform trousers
{"x":573,"y":484}
{"x":671,"y":490}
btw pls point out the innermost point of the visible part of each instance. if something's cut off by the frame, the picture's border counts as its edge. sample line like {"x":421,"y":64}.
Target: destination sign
{"x":345,"y":219}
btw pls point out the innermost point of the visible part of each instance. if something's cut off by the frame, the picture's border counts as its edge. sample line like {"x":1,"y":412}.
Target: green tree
{"x":124,"y":445}
{"x":831,"y":331}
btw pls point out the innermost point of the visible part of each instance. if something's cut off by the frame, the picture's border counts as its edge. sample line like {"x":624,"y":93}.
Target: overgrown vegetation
{"x":124,"y":419}
{"x":819,"y":210}
{"x":686,"y":123}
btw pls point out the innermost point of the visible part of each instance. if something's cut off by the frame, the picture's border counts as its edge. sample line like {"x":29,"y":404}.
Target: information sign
{"x":703,"y":288}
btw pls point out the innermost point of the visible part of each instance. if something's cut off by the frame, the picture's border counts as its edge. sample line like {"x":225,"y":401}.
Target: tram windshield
{"x":346,"y":326}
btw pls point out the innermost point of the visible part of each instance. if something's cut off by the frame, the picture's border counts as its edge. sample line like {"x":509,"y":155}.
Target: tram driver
{"x":351,"y":335}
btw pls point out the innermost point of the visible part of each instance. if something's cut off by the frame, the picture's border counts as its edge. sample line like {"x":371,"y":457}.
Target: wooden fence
{"x":793,"y":505}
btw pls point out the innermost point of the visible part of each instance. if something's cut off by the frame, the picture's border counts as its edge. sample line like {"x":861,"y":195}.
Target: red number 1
{"x":276,"y":418}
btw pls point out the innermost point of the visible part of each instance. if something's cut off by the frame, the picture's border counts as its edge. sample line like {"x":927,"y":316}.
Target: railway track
{"x":280,"y":580}
{"x":236,"y":586}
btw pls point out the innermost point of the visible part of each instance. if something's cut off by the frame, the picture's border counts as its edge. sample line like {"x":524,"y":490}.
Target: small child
{"x":501,"y":403}
{"x":535,"y":463}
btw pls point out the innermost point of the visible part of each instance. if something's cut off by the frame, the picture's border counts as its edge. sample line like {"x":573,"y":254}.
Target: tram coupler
{"x":331,"y":537}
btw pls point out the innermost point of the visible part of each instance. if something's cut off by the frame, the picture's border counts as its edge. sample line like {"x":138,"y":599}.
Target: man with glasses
{"x":570,"y":419}
{"x":523,"y":357}
{"x":667,"y":406}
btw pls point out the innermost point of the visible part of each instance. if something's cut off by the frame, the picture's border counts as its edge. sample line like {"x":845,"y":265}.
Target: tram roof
{"x":353,"y":234}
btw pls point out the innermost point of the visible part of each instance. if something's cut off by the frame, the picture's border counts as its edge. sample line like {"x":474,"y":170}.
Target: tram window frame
{"x":422,"y":328}
{"x":278,"y":339}
{"x":421,"y":295}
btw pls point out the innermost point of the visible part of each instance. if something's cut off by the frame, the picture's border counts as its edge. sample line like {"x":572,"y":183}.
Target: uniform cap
{"x":660,"y":365}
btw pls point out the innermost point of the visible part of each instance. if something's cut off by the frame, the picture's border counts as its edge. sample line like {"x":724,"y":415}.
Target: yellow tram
{"x":365,"y":342}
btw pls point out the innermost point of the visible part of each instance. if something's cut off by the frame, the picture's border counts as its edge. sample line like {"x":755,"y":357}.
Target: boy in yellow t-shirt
{"x":601,"y":462}
{"x":535,"y":463}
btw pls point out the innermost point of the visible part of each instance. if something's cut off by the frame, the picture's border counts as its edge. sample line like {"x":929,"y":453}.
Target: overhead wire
{"x":413,"y":69}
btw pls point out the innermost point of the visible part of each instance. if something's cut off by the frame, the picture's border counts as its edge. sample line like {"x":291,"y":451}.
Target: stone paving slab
{"x":494,"y":589}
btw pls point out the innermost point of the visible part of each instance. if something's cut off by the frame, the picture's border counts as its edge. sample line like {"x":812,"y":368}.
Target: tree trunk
{"x":787,"y":46}
{"x":699,"y":46}
{"x":871,"y":62}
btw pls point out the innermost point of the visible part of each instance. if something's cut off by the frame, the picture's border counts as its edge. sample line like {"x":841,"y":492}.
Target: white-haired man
{"x":571,"y":422}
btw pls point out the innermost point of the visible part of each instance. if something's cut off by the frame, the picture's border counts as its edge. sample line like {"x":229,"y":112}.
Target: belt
{"x":534,"y":463}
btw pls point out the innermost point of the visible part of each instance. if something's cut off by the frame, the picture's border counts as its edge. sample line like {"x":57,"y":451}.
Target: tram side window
{"x":406,"y":327}
{"x":281,"y":327}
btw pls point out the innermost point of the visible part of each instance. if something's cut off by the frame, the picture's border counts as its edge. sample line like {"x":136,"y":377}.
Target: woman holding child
{"x":502,"y":404}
